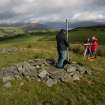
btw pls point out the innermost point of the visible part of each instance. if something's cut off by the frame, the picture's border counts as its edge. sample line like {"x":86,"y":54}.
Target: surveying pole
{"x":67,"y":27}
{"x":67,"y":33}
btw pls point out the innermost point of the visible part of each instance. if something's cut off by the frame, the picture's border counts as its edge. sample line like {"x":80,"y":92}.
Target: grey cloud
{"x":46,"y":9}
{"x":7,"y":15}
{"x":97,"y":2}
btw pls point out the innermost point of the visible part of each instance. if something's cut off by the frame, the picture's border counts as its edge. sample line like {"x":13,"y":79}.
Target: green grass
{"x":90,"y":90}
{"x":10,"y":59}
{"x":10,"y":30}
{"x":26,"y":40}
{"x":75,"y":36}
{"x":79,"y":48}
{"x":82,"y":34}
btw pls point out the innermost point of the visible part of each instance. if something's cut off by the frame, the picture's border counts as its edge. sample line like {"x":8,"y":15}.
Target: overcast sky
{"x":51,"y":10}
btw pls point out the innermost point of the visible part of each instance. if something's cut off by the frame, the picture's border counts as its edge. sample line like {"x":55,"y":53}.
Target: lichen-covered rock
{"x":71,"y":68}
{"x":76,"y":76}
{"x":7,"y":78}
{"x":11,"y":50}
{"x":66,"y":78}
{"x":45,"y":71}
{"x":43,"y":74}
{"x":8,"y":85}
{"x":22,"y":84}
{"x":50,"y":82}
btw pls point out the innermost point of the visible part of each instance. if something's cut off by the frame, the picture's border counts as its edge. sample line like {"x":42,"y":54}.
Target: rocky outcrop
{"x":11,"y":50}
{"x":43,"y":70}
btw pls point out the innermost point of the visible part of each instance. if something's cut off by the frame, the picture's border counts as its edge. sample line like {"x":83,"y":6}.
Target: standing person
{"x":62,"y":45}
{"x":94,"y":46}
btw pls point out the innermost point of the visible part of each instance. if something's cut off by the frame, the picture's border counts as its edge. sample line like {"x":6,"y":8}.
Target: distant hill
{"x":32,"y":26}
{"x":28,"y":26}
{"x":54,"y":25}
{"x":72,"y":25}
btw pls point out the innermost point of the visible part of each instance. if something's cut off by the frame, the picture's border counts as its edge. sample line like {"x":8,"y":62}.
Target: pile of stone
{"x":11,"y":50}
{"x":43,"y":70}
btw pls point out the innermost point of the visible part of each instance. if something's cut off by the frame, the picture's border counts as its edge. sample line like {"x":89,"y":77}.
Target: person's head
{"x":62,"y":31}
{"x":94,"y":38}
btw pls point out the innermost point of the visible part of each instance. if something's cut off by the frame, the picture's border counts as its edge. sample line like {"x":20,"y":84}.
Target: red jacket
{"x":94,"y":45}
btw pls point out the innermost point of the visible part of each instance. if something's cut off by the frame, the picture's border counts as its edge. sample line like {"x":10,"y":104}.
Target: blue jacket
{"x":62,"y":43}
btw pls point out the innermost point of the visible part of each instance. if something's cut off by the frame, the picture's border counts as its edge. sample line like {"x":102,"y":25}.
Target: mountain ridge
{"x":53,"y":25}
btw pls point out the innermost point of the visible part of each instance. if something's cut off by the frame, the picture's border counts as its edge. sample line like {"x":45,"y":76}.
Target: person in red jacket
{"x":94,"y":46}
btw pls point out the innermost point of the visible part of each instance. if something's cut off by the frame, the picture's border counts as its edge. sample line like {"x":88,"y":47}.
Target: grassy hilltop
{"x":44,"y":41}
{"x":41,"y":44}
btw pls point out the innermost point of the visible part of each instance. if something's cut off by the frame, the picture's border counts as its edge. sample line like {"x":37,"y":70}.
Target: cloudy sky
{"x":51,"y":10}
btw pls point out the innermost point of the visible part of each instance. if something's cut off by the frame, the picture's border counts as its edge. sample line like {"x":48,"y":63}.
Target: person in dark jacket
{"x":62,"y":45}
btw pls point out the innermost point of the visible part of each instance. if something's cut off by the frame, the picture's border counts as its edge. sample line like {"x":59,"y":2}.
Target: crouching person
{"x":62,"y":45}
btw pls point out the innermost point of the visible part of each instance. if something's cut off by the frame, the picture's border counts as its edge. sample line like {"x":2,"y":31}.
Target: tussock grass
{"x":79,"y":49}
{"x":88,"y":91}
